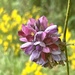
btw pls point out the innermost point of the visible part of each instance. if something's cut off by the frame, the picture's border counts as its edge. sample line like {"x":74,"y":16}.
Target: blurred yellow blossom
{"x":38,"y":73}
{"x":32,"y":68}
{"x":14,"y":13}
{"x":6,"y":18}
{"x":5,"y":44}
{"x":68,"y":34}
{"x":3,"y":28}
{"x":9,"y":37}
{"x":18,"y":19}
{"x":1,"y":10}
{"x":73,"y":64}
{"x":60,"y":29}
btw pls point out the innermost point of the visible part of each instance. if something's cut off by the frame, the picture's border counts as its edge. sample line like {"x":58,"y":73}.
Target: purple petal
{"x":30,"y":38}
{"x":20,"y":33}
{"x":37,"y":25}
{"x":40,"y":36}
{"x":56,"y":57}
{"x":56,"y":52}
{"x":43,"y":22}
{"x":26,"y":44}
{"x":52,"y":29}
{"x":54,"y":47}
{"x":40,"y":43}
{"x":31,"y":22}
{"x":46,"y":50}
{"x":35,"y":55}
{"x":23,"y":39}
{"x":29,"y":49}
{"x":41,"y":61}
{"x":27,"y":30}
{"x":43,"y":36}
{"x":38,"y":47}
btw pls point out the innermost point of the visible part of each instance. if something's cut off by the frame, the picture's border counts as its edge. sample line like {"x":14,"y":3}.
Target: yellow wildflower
{"x":24,"y":72}
{"x":1,"y":10}
{"x":34,"y":67}
{"x":9,"y":37}
{"x":5,"y":44}
{"x":39,"y":68}
{"x":60,"y":29}
{"x":2,"y":28}
{"x":38,"y":73}
{"x":73,"y":64}
{"x":6,"y":18}
{"x":14,"y":13}
{"x":18,"y":18}
{"x":68,"y":35}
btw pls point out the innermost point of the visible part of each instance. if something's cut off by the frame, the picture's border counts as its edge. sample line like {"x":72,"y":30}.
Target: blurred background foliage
{"x":14,"y":13}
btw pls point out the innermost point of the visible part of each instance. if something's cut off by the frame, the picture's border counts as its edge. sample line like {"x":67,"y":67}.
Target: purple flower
{"x":42,"y":42}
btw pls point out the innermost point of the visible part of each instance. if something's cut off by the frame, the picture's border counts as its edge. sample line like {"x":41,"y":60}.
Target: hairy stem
{"x":64,"y":34}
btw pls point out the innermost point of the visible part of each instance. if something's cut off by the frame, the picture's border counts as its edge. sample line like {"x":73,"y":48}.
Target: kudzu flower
{"x":42,"y":42}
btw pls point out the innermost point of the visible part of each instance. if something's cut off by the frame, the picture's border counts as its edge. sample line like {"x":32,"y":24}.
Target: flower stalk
{"x":64,"y":33}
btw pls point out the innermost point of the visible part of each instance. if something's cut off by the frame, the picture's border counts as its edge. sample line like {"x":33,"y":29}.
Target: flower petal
{"x":56,"y":57}
{"x":20,"y":33}
{"x":38,"y":47}
{"x":27,"y":30}
{"x":43,"y":36}
{"x":46,"y":50}
{"x":31,"y":22}
{"x":51,"y":29}
{"x":29,"y":49}
{"x":40,"y":43}
{"x":23,"y":39}
{"x":41,"y":61}
{"x":35,"y":55}
{"x":26,"y":44}
{"x":40,"y":36}
{"x":56,"y":52}
{"x":43,"y":22}
{"x":54,"y":47}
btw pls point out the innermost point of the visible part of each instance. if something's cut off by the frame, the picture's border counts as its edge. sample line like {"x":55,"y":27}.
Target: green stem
{"x":64,"y":34}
